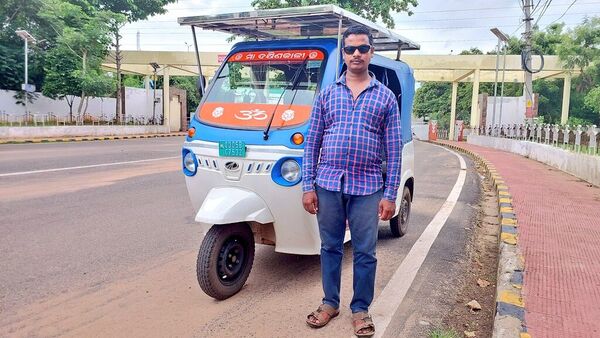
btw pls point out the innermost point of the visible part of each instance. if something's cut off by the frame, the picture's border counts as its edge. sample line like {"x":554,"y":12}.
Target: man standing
{"x":352,"y":123}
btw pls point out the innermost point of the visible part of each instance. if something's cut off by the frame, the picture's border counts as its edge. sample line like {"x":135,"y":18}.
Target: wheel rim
{"x":231,"y":260}
{"x":404,"y":213}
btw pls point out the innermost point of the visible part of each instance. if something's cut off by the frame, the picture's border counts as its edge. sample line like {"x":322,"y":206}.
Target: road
{"x":92,"y":244}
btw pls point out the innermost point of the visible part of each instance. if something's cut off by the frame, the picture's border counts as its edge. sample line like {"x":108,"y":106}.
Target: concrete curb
{"x":90,"y":138}
{"x":509,"y":318}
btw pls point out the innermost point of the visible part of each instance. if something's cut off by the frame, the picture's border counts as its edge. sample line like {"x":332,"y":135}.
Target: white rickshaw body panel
{"x":258,"y":197}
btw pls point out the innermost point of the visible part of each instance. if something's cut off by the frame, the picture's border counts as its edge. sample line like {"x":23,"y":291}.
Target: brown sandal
{"x":362,"y":321}
{"x":321,"y":316}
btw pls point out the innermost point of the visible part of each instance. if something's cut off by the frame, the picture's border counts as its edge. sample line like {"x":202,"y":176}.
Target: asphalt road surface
{"x":107,"y":247}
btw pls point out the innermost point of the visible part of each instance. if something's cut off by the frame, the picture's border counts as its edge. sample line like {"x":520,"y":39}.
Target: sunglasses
{"x":363,"y":49}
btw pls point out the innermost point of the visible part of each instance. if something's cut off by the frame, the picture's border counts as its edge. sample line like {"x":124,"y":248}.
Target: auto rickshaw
{"x":242,"y":157}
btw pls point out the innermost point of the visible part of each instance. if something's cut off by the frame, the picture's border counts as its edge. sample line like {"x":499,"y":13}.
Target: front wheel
{"x":399,"y":223}
{"x":225,"y":260}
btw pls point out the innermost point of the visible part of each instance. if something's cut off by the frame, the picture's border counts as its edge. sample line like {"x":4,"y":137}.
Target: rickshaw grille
{"x":226,"y":165}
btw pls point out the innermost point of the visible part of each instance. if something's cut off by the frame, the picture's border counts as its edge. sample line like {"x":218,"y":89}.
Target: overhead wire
{"x":156,"y":19}
{"x":414,"y":12}
{"x":176,"y":31}
{"x":420,"y":20}
{"x":543,"y":12}
{"x":536,"y":7}
{"x":541,"y":7}
{"x":563,"y":14}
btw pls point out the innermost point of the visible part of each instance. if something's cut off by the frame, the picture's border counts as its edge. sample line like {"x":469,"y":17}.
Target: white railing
{"x":51,"y":119}
{"x":582,"y":139}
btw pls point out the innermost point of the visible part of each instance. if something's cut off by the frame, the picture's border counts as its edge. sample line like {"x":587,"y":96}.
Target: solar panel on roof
{"x":297,"y":22}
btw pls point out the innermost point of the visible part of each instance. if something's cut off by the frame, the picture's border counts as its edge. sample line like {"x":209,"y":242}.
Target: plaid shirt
{"x":351,"y":137}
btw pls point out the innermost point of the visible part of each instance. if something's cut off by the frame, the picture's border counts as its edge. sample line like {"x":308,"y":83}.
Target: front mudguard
{"x":226,"y":205}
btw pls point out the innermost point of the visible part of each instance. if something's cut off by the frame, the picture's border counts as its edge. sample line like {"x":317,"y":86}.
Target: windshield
{"x":253,"y":85}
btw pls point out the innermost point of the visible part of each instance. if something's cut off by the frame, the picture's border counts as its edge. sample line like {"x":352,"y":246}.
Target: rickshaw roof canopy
{"x":297,"y":22}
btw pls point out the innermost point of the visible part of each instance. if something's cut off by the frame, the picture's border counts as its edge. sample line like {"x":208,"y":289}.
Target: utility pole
{"x":528,"y":89}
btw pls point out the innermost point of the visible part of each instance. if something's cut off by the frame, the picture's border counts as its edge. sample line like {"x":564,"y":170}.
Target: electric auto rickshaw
{"x":242,"y":157}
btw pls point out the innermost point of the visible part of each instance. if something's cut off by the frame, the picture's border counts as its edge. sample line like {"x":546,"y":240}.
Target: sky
{"x":439,"y":26}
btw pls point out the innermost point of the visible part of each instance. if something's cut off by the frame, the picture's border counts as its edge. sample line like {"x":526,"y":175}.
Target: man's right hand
{"x":310,"y":202}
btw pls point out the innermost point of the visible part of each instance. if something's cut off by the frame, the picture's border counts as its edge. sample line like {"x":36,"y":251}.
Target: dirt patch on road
{"x":43,"y":186}
{"x":478,"y":282}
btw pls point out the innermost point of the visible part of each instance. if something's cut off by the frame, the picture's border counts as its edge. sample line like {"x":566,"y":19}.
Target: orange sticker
{"x":253,"y":115}
{"x":278,"y":55}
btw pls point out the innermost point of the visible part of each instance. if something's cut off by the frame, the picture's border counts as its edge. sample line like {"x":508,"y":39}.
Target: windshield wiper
{"x":294,"y":85}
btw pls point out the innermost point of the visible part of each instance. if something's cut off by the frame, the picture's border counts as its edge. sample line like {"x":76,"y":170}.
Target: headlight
{"x":189,"y":163}
{"x":290,"y":170}
{"x":287,"y":171}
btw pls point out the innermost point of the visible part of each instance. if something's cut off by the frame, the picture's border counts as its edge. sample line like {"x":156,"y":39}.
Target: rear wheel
{"x":225,"y":260}
{"x":399,"y":223}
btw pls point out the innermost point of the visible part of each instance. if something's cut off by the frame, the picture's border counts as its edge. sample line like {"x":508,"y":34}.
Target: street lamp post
{"x":23,"y":34}
{"x":501,"y":38}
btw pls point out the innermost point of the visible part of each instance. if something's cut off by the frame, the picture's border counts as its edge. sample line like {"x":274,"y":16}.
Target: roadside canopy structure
{"x":427,"y":68}
{"x":482,"y":68}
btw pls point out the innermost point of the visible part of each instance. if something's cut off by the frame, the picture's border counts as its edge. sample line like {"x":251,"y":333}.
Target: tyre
{"x":399,"y":223}
{"x":225,"y":260}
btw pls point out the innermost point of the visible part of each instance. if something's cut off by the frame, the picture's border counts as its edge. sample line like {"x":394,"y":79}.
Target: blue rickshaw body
{"x":283,"y":136}
{"x":252,"y":189}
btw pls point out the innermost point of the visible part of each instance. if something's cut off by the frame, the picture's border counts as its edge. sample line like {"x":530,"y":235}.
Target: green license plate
{"x":232,"y":148}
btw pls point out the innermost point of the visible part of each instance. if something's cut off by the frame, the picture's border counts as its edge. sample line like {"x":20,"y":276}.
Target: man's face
{"x":358,"y":60}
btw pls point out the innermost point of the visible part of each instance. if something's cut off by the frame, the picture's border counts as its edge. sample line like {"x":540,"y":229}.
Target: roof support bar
{"x":201,"y":80}
{"x":339,"y":49}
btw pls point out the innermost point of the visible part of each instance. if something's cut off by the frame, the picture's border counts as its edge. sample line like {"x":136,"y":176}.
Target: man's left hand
{"x":386,"y":209}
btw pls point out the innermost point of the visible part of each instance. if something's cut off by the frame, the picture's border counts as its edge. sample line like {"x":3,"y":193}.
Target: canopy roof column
{"x":564,"y":117}
{"x":453,"y":110}
{"x":166,"y":99}
{"x":474,"y":100}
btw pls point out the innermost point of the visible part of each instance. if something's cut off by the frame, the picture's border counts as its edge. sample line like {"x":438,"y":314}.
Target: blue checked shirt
{"x":350,"y":137}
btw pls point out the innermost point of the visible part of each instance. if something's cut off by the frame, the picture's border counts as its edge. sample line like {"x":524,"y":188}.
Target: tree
{"x":73,"y":62}
{"x":581,"y":50}
{"x":592,"y":99}
{"x":189,"y":84}
{"x":472,"y":51}
{"x":580,"y":46}
{"x":432,"y":97}
{"x":18,"y":14}
{"x":371,"y":10}
{"x":134,"y":81}
{"x":61,"y":81}
{"x":549,"y":99}
{"x":131,"y":10}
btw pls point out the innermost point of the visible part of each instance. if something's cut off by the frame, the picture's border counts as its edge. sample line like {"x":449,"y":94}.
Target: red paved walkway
{"x":559,"y":236}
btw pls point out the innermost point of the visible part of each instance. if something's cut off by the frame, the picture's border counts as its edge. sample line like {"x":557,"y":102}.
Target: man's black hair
{"x":357,"y":30}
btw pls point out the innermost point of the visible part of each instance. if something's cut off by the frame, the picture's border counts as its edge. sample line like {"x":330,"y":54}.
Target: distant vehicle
{"x":243,"y":155}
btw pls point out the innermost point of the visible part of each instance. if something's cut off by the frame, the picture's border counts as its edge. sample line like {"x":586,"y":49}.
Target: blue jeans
{"x":362,"y":215}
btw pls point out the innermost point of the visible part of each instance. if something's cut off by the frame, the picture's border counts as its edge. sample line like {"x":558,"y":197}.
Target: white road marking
{"x":85,"y":166}
{"x":391,"y":297}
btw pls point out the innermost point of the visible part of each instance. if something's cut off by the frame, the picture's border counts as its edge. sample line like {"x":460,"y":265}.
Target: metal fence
{"x":581,"y":139}
{"x":50,"y":119}
{"x":442,"y":134}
